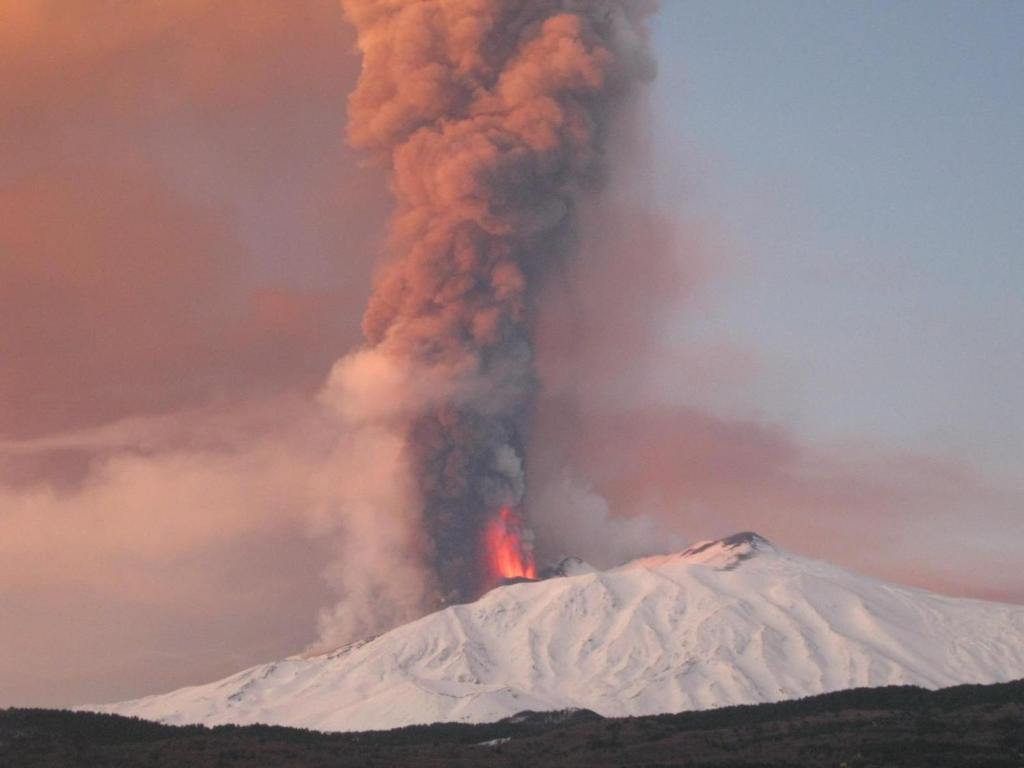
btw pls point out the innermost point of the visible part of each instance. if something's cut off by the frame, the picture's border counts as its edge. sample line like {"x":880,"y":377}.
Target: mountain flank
{"x":732,"y":621}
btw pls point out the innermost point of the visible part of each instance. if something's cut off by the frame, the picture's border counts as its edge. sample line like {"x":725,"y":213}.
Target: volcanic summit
{"x":731,"y":621}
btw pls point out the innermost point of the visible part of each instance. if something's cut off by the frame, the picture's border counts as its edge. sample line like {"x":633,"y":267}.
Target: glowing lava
{"x":503,"y":546}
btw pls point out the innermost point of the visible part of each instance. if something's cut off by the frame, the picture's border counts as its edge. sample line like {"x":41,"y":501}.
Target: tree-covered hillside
{"x":961,"y":726}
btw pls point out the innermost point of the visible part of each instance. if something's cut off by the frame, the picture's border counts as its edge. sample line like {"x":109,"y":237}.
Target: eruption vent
{"x":491,"y":116}
{"x":509,"y":555}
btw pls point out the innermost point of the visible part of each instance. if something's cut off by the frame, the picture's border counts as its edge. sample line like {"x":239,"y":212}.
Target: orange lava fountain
{"x":503,"y":547}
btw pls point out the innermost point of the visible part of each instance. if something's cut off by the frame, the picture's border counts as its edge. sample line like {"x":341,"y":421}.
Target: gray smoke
{"x":491,"y":116}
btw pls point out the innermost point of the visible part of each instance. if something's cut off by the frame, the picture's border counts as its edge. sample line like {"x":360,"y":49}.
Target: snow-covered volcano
{"x":725,"y":622}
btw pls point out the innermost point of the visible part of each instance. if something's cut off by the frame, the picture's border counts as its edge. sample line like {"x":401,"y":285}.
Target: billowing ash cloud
{"x":491,"y":116}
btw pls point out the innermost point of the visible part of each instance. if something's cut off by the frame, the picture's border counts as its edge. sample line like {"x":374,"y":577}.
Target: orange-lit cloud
{"x":181,"y":227}
{"x":179,"y":218}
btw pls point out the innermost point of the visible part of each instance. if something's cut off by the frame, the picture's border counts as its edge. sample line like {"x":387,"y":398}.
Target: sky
{"x":827,"y":200}
{"x":865,"y":160}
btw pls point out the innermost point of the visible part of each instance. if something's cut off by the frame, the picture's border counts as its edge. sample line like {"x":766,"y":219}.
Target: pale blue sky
{"x":865,"y":162}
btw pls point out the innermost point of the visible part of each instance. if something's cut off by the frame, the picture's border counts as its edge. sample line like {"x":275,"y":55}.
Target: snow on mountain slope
{"x":725,"y":622}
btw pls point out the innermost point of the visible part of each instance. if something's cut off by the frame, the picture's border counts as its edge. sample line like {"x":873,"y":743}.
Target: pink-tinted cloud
{"x":882,"y":512}
{"x":220,"y":534}
{"x":181,"y":227}
{"x":179,"y":218}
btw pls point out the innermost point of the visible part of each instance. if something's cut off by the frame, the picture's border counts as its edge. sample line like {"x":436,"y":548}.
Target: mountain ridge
{"x":729,"y":621}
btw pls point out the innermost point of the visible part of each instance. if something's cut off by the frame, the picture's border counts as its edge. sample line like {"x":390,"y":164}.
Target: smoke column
{"x":491,"y":116}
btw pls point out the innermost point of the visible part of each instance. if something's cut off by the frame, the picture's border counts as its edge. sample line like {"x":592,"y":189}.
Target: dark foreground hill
{"x":969,"y":725}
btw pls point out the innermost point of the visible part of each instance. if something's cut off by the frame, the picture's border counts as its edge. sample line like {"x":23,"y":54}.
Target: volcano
{"x":732,"y":621}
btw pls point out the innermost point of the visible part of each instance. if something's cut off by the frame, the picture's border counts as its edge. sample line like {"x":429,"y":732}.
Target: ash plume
{"x":491,"y":116}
